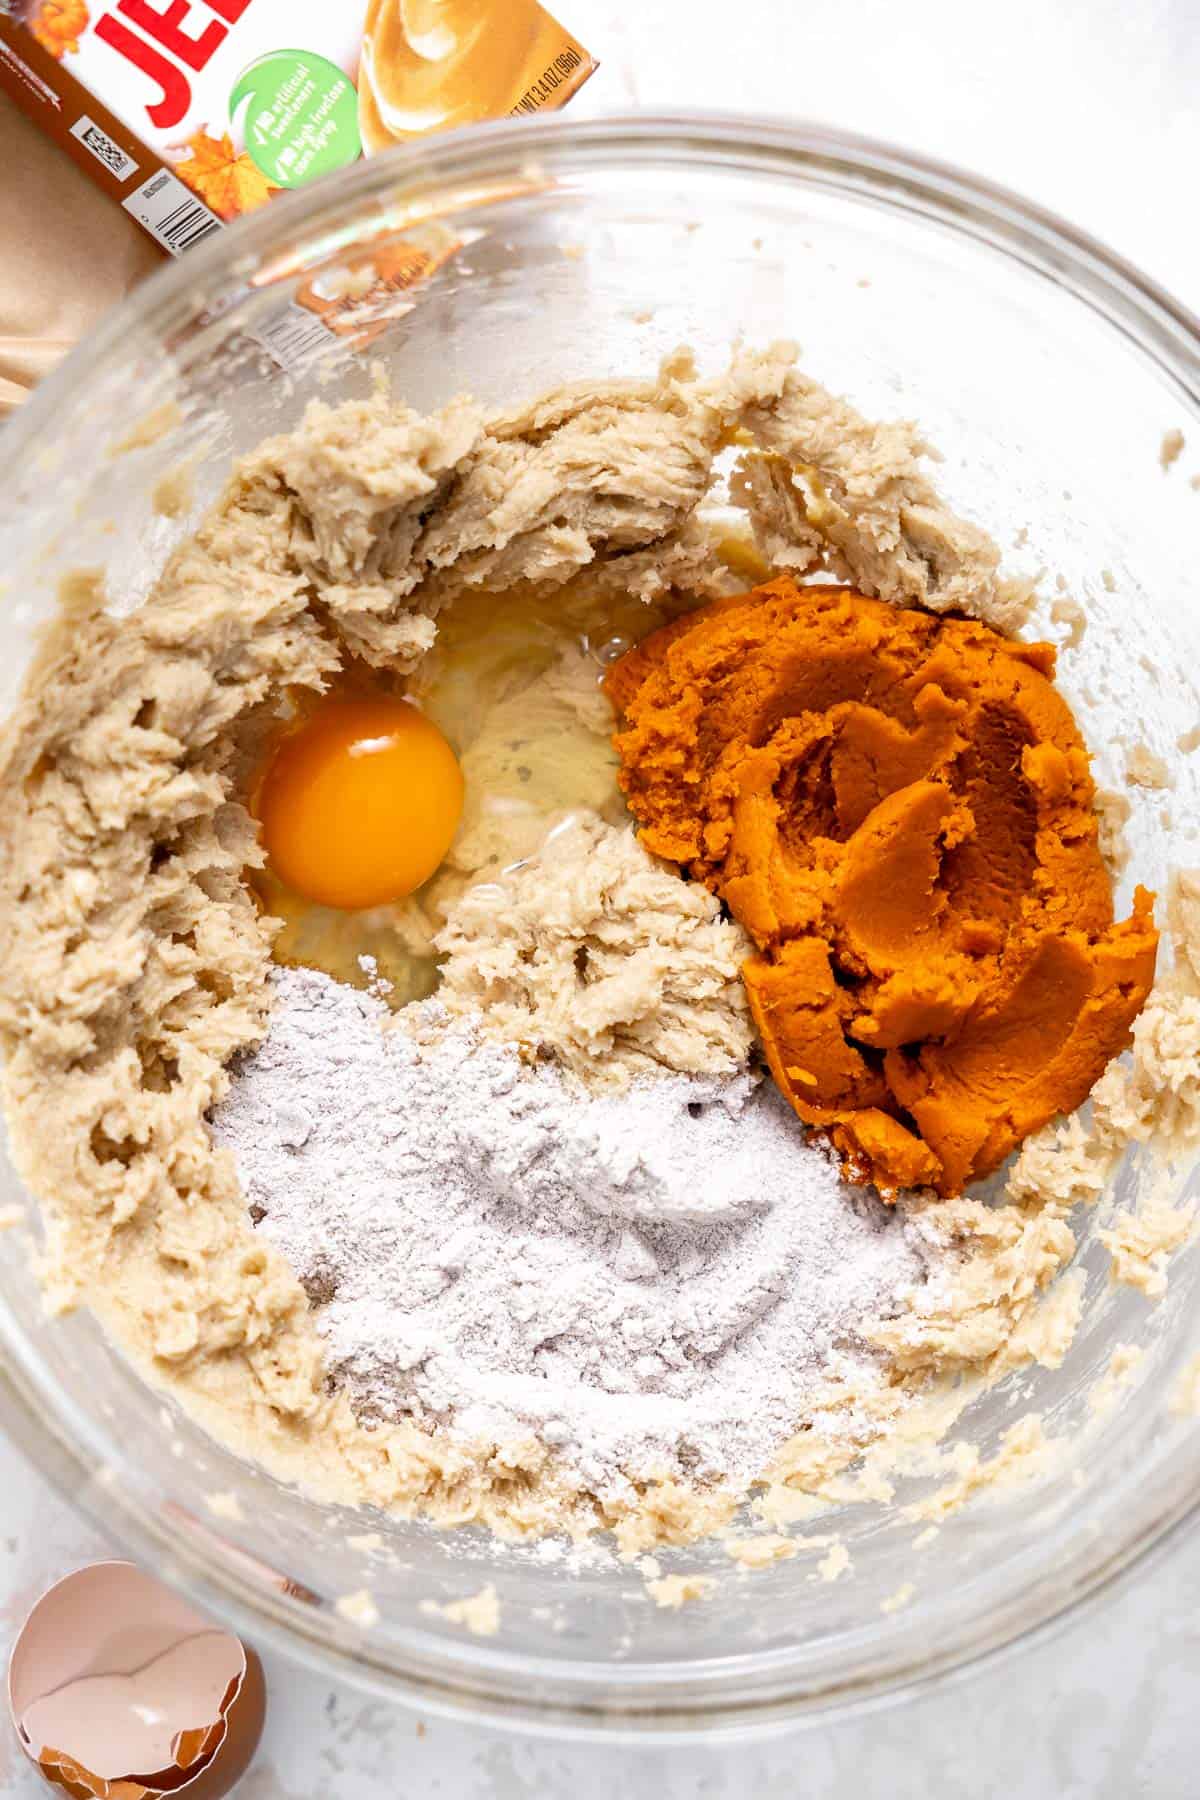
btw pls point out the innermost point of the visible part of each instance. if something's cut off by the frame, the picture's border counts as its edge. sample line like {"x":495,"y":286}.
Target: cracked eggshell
{"x":120,"y":1690}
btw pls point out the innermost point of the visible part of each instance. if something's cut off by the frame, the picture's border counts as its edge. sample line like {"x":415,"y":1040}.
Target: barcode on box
{"x":292,"y":336}
{"x":103,"y":148}
{"x":171,"y":212}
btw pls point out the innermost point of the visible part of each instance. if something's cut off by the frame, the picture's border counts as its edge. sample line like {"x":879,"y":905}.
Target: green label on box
{"x":302,"y":116}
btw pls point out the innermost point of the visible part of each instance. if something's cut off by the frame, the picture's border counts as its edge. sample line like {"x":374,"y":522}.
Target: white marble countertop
{"x":1090,"y":107}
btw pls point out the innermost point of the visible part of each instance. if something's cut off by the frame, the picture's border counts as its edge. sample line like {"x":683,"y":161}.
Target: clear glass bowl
{"x":1047,"y":372}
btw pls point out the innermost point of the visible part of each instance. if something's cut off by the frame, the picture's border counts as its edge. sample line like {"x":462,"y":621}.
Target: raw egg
{"x":360,"y":803}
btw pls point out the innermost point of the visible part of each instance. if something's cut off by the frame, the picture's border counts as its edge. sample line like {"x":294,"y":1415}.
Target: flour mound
{"x":659,"y":1280}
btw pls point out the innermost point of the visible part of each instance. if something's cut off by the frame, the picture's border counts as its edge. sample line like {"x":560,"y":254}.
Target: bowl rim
{"x":957,"y":197}
{"x":518,"y":1690}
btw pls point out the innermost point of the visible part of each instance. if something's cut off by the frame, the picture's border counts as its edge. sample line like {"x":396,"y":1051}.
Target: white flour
{"x":668,"y":1278}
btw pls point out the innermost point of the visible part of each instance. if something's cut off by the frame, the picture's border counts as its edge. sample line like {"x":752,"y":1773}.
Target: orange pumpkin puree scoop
{"x":899,"y":809}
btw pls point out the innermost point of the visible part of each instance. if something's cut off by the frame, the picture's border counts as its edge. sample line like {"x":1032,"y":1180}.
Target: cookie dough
{"x":601,"y":957}
{"x":134,"y":958}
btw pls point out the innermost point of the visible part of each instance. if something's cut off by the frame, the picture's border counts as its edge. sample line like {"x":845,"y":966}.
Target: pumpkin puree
{"x":899,"y":809}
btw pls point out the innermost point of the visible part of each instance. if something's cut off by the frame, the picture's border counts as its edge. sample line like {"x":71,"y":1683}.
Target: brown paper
{"x":66,"y":255}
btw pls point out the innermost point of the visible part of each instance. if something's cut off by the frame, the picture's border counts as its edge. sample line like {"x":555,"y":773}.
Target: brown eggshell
{"x":120,"y":1690}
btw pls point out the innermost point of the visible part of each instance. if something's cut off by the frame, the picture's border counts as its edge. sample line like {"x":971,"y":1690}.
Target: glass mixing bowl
{"x":1047,"y":372}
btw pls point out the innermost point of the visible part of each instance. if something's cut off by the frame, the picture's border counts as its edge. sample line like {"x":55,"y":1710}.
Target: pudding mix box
{"x":190,"y":112}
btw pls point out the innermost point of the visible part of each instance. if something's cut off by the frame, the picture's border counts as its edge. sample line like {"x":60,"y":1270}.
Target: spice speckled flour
{"x":668,"y":1279}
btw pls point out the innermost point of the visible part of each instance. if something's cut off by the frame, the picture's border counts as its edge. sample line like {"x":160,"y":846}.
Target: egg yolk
{"x":360,"y":804}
